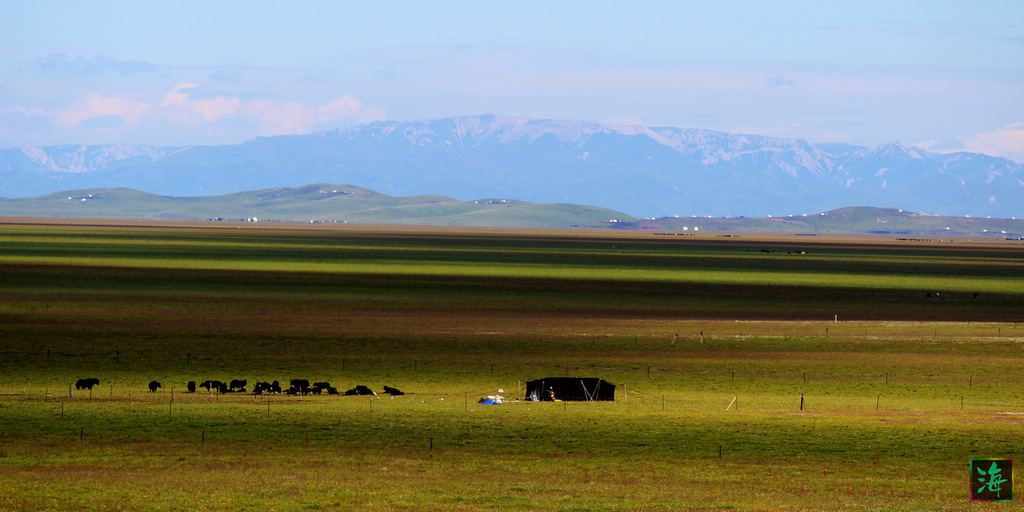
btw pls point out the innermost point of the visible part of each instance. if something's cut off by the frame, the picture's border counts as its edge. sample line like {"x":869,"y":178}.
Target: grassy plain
{"x":907,"y":354}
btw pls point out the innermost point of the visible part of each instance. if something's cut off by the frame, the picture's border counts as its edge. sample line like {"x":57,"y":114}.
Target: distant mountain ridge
{"x":639,"y":170}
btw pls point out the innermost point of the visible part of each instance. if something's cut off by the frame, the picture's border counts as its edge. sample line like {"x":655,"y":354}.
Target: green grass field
{"x":908,"y":357}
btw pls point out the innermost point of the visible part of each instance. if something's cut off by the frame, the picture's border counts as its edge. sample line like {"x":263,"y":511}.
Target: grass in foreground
{"x":895,"y":402}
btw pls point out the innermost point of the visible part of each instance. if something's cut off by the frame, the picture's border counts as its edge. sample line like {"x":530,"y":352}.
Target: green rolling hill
{"x":322,"y":203}
{"x":317,"y":203}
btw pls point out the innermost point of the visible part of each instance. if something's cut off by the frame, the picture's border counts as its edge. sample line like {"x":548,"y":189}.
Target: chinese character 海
{"x":995,"y":479}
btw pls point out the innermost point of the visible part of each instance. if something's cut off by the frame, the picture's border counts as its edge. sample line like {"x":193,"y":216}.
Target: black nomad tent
{"x":570,"y":389}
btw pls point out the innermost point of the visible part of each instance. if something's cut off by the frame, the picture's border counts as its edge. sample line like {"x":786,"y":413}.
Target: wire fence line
{"x":821,"y":403}
{"x":627,"y":396}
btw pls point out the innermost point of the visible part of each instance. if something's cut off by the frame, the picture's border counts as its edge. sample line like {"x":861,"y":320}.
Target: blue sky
{"x":941,"y":75}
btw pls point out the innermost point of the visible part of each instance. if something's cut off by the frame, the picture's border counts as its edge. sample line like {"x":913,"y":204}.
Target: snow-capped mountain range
{"x":643,"y":171}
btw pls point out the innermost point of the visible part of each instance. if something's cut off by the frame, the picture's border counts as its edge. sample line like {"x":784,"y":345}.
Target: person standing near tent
{"x":551,"y":393}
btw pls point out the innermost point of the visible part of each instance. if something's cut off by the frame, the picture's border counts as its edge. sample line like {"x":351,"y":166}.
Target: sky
{"x":940,"y":75}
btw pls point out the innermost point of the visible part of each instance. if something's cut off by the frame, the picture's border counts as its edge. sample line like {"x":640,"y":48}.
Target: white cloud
{"x":279,"y":118}
{"x":94,"y":105}
{"x":348,"y":107}
{"x":177,"y":96}
{"x":18,"y":109}
{"x":217,"y":108}
{"x":345,"y":107}
{"x":178,"y":109}
{"x":291,"y":118}
{"x":1005,"y":142}
{"x":926,"y":145}
{"x":209,"y":109}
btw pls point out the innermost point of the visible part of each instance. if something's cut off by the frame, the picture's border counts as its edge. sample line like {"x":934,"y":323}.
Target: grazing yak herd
{"x":298,"y":387}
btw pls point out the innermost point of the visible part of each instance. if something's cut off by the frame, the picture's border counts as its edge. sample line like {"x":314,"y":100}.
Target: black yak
{"x":214,"y":385}
{"x":300,"y":386}
{"x":238,"y":385}
{"x":86,"y":383}
{"x":153,"y":385}
{"x":191,"y":386}
{"x":359,"y":390}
